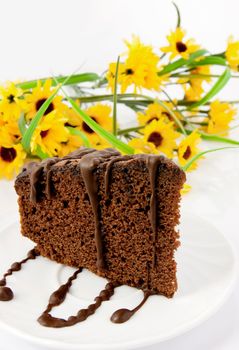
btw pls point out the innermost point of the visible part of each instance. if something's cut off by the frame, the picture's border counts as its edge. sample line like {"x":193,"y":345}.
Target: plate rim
{"x":152,"y":340}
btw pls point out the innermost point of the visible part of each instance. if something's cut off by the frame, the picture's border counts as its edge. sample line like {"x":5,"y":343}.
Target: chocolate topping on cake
{"x":112,"y":214}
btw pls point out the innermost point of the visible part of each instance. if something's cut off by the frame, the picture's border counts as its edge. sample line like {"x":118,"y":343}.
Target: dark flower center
{"x":156,"y":138}
{"x":187,"y":153}
{"x":11,"y":98}
{"x":129,"y":71}
{"x":8,"y":154}
{"x":181,"y":47}
{"x":86,"y":127}
{"x":40,"y":102}
{"x":44,"y":133}
{"x":167,"y":115}
{"x":151,"y":119}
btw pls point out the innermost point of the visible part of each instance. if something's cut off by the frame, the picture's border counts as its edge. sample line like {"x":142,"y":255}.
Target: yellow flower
{"x":100,"y":143}
{"x":193,"y":90}
{"x":152,"y":112}
{"x":9,"y":130}
{"x":73,"y":118}
{"x":39,"y":95}
{"x":142,"y":146}
{"x":178,"y":46}
{"x":232,"y":53}
{"x":193,"y":87}
{"x":162,"y":134}
{"x":101,"y":114}
{"x":73,"y":142}
{"x":188,"y":149}
{"x":186,"y":188}
{"x":140,"y":68}
{"x":111,"y":74}
{"x":49,"y":134}
{"x":11,"y":160}
{"x":12,"y":102}
{"x":155,"y":111}
{"x":5,"y":137}
{"x":220,"y":116}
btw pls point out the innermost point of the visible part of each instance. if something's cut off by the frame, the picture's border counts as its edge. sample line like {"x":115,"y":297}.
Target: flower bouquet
{"x":52,"y":117}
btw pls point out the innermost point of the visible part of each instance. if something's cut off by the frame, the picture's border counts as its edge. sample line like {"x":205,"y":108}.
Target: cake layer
{"x":114,"y":215}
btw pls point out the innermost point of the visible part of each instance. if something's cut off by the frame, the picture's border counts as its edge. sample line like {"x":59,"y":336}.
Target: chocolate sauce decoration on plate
{"x":58,"y":298}
{"x":6,"y":294}
{"x":123,"y":315}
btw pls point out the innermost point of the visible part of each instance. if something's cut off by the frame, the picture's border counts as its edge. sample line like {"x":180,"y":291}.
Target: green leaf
{"x":26,"y":139}
{"x":217,"y":138}
{"x":121,"y":146}
{"x":199,"y":155}
{"x":173,"y":115}
{"x":22,"y":124}
{"x":100,"y":131}
{"x":220,"y":83}
{"x":74,"y":79}
{"x":181,"y":62}
{"x":81,"y":134}
{"x":115,"y":98}
{"x":178,"y":15}
{"x":40,"y":153}
{"x":209,"y":60}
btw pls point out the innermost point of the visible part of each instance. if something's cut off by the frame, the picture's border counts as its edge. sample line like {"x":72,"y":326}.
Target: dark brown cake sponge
{"x":63,"y":226}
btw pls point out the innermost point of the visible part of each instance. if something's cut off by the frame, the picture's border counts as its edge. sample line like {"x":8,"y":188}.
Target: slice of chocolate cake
{"x":114,"y":215}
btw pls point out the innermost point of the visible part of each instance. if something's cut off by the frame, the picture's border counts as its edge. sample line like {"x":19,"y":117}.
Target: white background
{"x":38,"y":38}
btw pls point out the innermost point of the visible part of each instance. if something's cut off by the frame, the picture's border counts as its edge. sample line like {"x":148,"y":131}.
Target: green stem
{"x":195,"y":76}
{"x":74,"y":79}
{"x":128,"y":130}
{"x":115,"y":98}
{"x":217,"y":138}
{"x":199,"y":155}
{"x":189,"y":103}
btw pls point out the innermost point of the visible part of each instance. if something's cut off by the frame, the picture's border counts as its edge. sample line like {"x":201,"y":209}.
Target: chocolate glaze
{"x":36,"y":170}
{"x":59,"y":296}
{"x":88,"y":164}
{"x":123,"y":315}
{"x":152,"y":163}
{"x":6,"y":293}
{"x":108,"y":171}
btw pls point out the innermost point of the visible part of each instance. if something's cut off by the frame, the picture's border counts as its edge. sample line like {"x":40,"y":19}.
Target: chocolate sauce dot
{"x":3,"y":282}
{"x":6,"y":294}
{"x":16,"y":266}
{"x":121,"y":315}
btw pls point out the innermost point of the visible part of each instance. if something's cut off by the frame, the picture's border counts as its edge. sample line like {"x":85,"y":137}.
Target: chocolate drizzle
{"x":108,"y":171}
{"x":123,"y":315}
{"x":88,"y":164}
{"x":59,"y":296}
{"x":6,"y":294}
{"x":152,"y":163}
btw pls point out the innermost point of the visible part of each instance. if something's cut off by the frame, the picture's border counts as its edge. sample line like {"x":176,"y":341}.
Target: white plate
{"x":206,"y":272}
